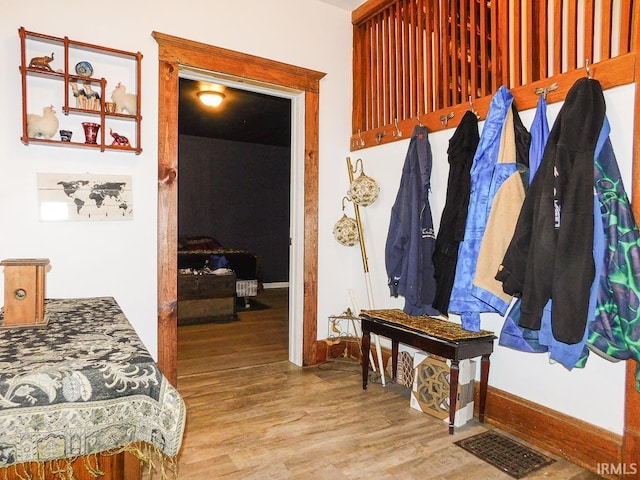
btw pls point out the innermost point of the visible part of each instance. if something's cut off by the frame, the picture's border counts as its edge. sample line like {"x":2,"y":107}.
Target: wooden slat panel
{"x":402,"y":101}
{"x":360,"y":70}
{"x":406,"y":29}
{"x":539,"y":14}
{"x":429,"y":57}
{"x":386,"y":68}
{"x":393,"y":59}
{"x":588,"y":30}
{"x":446,"y":55}
{"x":499,"y":48}
{"x":606,"y":28}
{"x":379,"y":91}
{"x":464,"y":49}
{"x":374,"y":75}
{"x":485,"y":32}
{"x":610,"y":73}
{"x":438,"y":49}
{"x":572,"y":36}
{"x":558,"y":38}
{"x":412,"y":58}
{"x":420,"y":65}
{"x":516,"y":61}
{"x":473,"y":48}
{"x":369,"y":75}
{"x":626,"y":14}
{"x":454,"y":49}
{"x":531,"y":52}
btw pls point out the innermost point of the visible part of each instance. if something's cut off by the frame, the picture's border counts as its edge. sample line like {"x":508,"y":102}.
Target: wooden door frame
{"x":173,"y":53}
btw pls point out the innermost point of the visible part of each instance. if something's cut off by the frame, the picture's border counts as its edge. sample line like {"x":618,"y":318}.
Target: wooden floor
{"x":253,"y":415}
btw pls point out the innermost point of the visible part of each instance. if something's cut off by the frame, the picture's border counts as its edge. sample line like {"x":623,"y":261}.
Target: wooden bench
{"x":432,"y":335}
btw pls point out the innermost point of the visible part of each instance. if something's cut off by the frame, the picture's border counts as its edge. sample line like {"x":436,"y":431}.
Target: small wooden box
{"x":24,"y":292}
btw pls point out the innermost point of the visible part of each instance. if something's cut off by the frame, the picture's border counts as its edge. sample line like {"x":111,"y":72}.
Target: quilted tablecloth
{"x":82,"y":385}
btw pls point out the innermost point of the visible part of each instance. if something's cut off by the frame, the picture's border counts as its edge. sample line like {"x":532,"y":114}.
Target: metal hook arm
{"x":473,"y":110}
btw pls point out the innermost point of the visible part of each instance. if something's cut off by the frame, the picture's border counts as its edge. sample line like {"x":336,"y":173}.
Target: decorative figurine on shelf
{"x":85,"y":97}
{"x":65,"y":135}
{"x":84,"y":69}
{"x":80,"y":95}
{"x":124,"y":101}
{"x":91,"y":132}
{"x":42,"y":63}
{"x":119,"y":139}
{"x":93,"y":98}
{"x":43,"y":126}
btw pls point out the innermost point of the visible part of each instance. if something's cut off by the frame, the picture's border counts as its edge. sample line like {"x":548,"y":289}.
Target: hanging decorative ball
{"x":346,"y":231}
{"x":364,"y":190}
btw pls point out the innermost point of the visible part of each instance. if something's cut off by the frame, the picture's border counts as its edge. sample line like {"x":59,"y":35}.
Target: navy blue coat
{"x":411,"y":239}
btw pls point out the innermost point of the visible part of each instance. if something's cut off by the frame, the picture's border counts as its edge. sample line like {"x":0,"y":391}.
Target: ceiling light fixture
{"x":211,"y":98}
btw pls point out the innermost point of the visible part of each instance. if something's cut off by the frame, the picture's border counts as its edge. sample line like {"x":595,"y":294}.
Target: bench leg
{"x":366,"y":351}
{"x":394,"y":359}
{"x":485,"y":363}
{"x":453,"y":394}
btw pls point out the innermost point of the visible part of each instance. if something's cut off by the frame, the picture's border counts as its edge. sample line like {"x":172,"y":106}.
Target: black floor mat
{"x":513,"y":458}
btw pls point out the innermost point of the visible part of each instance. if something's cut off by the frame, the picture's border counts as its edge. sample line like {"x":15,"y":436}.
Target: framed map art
{"x":65,"y":197}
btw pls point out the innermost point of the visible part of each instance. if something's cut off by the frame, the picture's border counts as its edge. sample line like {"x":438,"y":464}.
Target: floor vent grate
{"x":513,"y":458}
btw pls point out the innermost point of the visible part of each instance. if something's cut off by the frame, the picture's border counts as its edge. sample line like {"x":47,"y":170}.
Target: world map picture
{"x":84,"y":197}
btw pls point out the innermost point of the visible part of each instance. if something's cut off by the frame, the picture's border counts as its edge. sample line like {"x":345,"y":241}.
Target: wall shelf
{"x":58,"y":84}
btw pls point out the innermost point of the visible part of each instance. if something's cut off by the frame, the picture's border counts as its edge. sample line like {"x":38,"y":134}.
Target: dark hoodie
{"x":550,"y":254}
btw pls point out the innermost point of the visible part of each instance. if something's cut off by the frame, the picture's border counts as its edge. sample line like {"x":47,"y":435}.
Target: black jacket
{"x":550,"y":254}
{"x":462,"y":148}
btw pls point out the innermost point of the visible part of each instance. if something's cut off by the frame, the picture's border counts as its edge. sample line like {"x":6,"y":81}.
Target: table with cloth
{"x":83,"y":385}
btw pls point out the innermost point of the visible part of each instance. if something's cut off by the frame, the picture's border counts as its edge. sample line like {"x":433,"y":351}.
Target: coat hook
{"x":473,"y":110}
{"x":418,"y":118}
{"x":544,"y":91}
{"x":444,"y":119}
{"x":397,"y":132}
{"x":360,"y":141}
{"x":587,"y":67}
{"x":379,"y":136}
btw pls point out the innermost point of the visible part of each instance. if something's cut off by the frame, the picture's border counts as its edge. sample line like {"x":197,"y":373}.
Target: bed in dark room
{"x":211,"y":278}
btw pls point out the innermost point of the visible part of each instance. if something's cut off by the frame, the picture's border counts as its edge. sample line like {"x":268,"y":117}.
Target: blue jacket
{"x":486,"y":178}
{"x":411,"y":239}
{"x":512,"y":334}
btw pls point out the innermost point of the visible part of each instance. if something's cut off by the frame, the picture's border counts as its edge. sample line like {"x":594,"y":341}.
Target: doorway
{"x":176,"y":53}
{"x":234,"y":186}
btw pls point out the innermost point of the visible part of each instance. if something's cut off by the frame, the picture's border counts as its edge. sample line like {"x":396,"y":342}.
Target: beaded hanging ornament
{"x":364,"y":190}
{"x":346,"y":229}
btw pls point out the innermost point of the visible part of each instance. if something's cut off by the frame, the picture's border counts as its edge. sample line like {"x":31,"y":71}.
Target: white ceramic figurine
{"x":45,"y":125}
{"x":123,"y":100}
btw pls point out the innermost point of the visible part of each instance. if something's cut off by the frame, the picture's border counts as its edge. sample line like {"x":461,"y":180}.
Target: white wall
{"x":594,"y":394}
{"x":119,"y":258}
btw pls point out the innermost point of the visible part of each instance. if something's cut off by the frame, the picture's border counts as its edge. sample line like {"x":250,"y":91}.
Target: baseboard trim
{"x":581,"y":443}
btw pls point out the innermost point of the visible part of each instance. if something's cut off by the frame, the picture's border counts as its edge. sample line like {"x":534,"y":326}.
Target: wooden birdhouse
{"x":24,"y":292}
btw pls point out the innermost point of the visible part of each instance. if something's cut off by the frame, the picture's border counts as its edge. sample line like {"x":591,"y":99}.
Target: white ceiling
{"x":349,"y":5}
